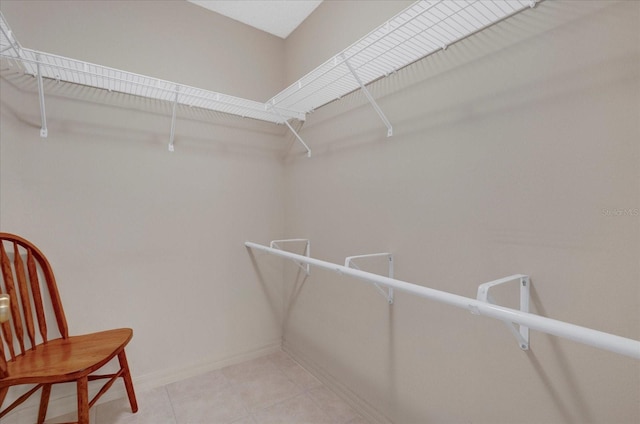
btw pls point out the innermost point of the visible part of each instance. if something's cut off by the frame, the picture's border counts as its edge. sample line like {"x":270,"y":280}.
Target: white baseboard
{"x":65,"y":403}
{"x":361,"y":406}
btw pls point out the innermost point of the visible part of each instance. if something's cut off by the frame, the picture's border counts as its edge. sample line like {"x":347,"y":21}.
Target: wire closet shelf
{"x":423,"y":28}
{"x":62,"y":68}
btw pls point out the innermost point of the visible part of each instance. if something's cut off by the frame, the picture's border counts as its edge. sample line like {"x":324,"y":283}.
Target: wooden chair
{"x":34,"y":358}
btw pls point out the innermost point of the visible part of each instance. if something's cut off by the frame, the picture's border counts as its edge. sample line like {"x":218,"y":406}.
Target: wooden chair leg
{"x":83,"y":400}
{"x":3,"y":394}
{"x":44,"y":403}
{"x":128,"y":382}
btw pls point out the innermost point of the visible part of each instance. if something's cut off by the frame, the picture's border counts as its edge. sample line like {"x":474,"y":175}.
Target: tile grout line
{"x":173,"y":411}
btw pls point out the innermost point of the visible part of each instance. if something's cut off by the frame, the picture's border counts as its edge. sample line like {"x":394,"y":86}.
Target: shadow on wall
{"x":579,"y":402}
{"x":267,"y":282}
{"x":100,"y":115}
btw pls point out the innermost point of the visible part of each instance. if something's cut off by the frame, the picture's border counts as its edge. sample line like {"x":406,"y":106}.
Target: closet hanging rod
{"x":588,"y":336}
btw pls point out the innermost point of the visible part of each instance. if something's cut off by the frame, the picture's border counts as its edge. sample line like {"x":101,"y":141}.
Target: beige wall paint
{"x":338,"y":24}
{"x":138,"y":236}
{"x":508,"y":149}
{"x":173,"y":40}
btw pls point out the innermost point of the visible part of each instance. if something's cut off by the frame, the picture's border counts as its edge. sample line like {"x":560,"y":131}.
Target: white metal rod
{"x":371,"y":99}
{"x":522,"y":342}
{"x":348,"y":262}
{"x":43,"y":114}
{"x":307,"y":251}
{"x":370,"y":255}
{"x":525,"y":286}
{"x":290,"y":241}
{"x":173,"y":121}
{"x":291,"y":129}
{"x":588,"y":336}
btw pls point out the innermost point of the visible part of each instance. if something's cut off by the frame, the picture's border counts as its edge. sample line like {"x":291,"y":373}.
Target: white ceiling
{"x":277,"y":17}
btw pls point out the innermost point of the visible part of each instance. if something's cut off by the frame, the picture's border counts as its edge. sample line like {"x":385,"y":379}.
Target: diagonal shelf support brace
{"x":521,"y":333}
{"x":43,"y":114}
{"x":348,"y":262}
{"x":370,"y":97}
{"x":173,"y":121}
{"x":270,"y":106}
{"x":307,"y":251}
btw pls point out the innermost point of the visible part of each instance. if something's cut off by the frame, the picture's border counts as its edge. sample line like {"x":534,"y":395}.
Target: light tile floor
{"x":270,"y":389}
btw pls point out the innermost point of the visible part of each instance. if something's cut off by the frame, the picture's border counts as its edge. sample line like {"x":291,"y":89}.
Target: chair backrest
{"x":21,"y":281}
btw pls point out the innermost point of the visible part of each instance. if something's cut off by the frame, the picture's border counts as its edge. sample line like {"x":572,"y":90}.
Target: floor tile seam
{"x":317,"y":402}
{"x":173,"y":410}
{"x":237,"y":381}
{"x":264,"y":407}
{"x":303,"y":388}
{"x":232,"y":388}
{"x":251,"y":411}
{"x":227,"y":386}
{"x":319,"y":405}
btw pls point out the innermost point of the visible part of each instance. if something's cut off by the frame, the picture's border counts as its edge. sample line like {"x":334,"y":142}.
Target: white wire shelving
{"x":425,"y":27}
{"x":89,"y":74}
{"x":482,"y":305}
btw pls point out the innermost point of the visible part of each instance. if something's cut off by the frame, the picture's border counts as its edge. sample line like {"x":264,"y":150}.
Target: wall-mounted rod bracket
{"x":173,"y":120}
{"x":272,"y":107}
{"x":43,"y":115}
{"x":307,"y":251}
{"x":522,"y":332}
{"x":388,"y":294}
{"x":369,"y":97}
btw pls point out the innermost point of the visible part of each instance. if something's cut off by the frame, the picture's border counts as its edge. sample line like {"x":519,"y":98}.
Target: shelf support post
{"x":290,"y":128}
{"x":43,"y":114}
{"x":369,"y":97}
{"x":348,"y":262}
{"x":522,"y":333}
{"x":173,"y":121}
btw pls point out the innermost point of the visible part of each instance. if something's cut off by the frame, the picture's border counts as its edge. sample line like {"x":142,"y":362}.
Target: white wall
{"x":508,"y":149}
{"x":140,"y":237}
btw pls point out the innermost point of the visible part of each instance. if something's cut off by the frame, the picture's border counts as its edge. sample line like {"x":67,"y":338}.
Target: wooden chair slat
{"x":18,"y":265}
{"x":7,"y":274}
{"x":54,"y":296}
{"x":37,"y":295}
{"x":3,"y":360}
{"x":8,"y":337}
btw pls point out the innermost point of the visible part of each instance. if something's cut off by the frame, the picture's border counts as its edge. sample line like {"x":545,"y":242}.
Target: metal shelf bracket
{"x":307,"y":251}
{"x":348,"y":262}
{"x":43,"y":115}
{"x":173,"y":121}
{"x":522,"y":332}
{"x":272,"y":107}
{"x":369,"y":97}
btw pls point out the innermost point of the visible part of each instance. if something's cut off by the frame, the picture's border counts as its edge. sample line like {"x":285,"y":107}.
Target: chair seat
{"x":62,"y":360}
